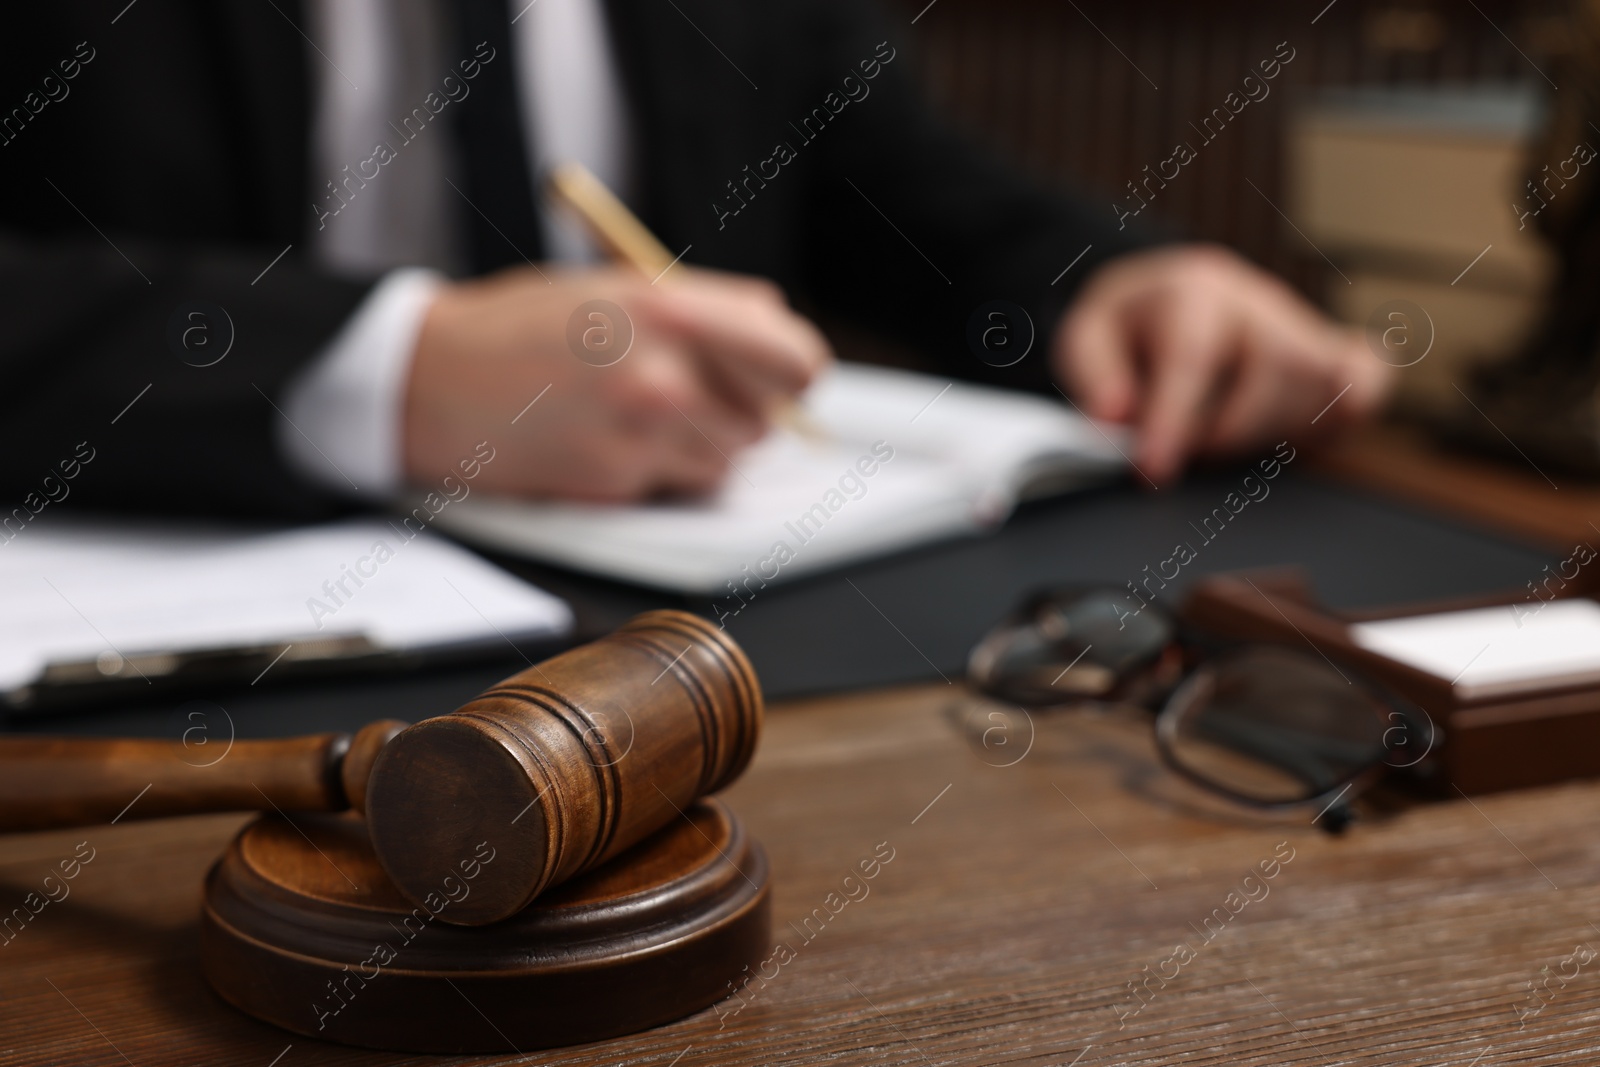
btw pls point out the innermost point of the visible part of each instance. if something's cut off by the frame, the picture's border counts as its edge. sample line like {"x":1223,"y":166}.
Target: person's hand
{"x":1208,"y":355}
{"x":711,"y":356}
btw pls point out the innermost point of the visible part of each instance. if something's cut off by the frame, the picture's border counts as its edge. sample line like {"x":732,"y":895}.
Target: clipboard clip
{"x":70,"y":681}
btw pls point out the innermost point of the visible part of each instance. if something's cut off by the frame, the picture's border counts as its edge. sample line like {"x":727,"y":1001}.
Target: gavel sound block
{"x":576,"y":781}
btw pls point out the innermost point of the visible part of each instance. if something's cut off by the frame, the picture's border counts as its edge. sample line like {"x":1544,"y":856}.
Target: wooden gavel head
{"x":555,"y":770}
{"x":560,"y":767}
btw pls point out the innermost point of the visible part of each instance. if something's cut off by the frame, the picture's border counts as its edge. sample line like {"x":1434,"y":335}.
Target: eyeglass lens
{"x":1274,"y":726}
{"x":1071,"y":645}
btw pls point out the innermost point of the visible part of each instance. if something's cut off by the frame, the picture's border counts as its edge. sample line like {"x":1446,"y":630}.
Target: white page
{"x":72,"y":591}
{"x":1487,"y":652}
{"x":960,"y":453}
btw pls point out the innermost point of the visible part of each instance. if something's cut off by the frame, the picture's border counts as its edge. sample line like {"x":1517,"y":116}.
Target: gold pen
{"x":627,"y":240}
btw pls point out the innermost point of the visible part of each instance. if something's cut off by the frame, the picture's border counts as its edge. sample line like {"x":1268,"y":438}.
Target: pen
{"x":619,"y":231}
{"x":627,"y":240}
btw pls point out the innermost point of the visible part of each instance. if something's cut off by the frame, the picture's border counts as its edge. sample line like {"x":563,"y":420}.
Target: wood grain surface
{"x":1017,"y":905}
{"x":302,"y":929}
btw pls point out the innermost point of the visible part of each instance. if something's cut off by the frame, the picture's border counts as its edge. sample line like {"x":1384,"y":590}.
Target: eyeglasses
{"x":1266,"y":726}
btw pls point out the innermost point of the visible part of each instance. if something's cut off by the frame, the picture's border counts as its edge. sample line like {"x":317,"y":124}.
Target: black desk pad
{"x":913,"y":617}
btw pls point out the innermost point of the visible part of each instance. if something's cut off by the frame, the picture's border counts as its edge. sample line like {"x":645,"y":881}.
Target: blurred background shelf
{"x":1395,"y":141}
{"x":1086,"y":94}
{"x":1413,"y":193}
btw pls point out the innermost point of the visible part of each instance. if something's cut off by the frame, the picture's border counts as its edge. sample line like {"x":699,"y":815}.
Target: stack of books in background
{"x":1415,"y":195}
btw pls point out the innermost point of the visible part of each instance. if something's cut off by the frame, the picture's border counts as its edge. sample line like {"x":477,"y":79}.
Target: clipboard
{"x":67,"y":685}
{"x":110,"y":610}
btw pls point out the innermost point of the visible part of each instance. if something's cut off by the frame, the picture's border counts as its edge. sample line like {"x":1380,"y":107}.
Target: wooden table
{"x":1546,"y":507}
{"x":1019,"y":904}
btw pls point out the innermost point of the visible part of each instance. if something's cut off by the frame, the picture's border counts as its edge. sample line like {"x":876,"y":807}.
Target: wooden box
{"x":1480,"y":746}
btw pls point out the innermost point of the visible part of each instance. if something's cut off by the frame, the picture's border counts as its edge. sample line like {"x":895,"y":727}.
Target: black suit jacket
{"x":174,"y":165}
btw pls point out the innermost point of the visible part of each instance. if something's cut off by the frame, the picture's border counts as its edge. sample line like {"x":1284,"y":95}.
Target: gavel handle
{"x":48,"y":782}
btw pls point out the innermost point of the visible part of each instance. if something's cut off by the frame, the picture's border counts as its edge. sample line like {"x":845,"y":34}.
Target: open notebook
{"x":903,"y":459}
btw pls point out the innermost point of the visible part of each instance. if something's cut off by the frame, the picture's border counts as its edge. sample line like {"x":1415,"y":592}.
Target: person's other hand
{"x":712,"y":355}
{"x":1207,"y":355}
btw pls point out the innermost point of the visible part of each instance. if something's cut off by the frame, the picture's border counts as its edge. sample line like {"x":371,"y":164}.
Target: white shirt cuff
{"x":345,"y":409}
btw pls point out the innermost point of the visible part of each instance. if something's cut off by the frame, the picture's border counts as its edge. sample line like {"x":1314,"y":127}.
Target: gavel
{"x":556,"y":769}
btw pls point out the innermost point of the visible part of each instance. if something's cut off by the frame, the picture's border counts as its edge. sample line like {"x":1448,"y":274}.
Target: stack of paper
{"x":1499,"y":651}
